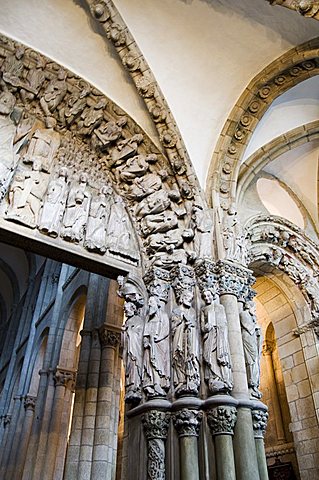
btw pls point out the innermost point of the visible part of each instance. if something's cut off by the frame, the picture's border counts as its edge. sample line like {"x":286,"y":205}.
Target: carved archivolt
{"x":288,"y":70}
{"x":306,"y":8}
{"x":280,"y":243}
{"x":75,"y":168}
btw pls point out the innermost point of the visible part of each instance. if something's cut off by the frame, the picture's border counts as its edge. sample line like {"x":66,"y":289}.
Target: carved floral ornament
{"x":285,"y":246}
{"x":290,"y":69}
{"x":75,"y":168}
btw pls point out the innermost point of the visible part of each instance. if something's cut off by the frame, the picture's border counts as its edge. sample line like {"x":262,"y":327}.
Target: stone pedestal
{"x":187,"y":423}
{"x":156,"y":425}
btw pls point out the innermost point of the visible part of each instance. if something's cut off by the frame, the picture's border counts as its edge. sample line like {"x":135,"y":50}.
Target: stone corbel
{"x":64,"y":377}
{"x":29,"y":402}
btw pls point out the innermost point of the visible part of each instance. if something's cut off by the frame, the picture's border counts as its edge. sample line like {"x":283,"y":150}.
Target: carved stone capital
{"x":207,"y":275}
{"x":109,"y":337}
{"x":187,"y":422}
{"x":221,"y":420}
{"x":29,"y":402}
{"x":156,"y":423}
{"x":235,"y":280}
{"x":85,"y":333}
{"x":260,"y":419}
{"x":65,"y":378}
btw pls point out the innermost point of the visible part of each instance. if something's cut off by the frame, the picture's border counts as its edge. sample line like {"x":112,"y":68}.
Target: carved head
{"x":61,"y":74}
{"x":83,"y":177}
{"x":186,"y":298}
{"x":106,"y":190}
{"x":63,"y":172}
{"x":152,"y":305}
{"x":50,"y":122}
{"x":7,"y":102}
{"x":129,"y":309}
{"x":20,"y":53}
{"x":37,"y":165}
{"x":208,"y":297}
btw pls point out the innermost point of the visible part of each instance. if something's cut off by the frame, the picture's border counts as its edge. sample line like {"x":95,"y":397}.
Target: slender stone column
{"x":110,"y":339}
{"x":156,"y":423}
{"x":221,"y":421}
{"x":260,"y":418}
{"x":29,"y":406}
{"x":187,"y":423}
{"x":64,"y":380}
{"x":234,"y":283}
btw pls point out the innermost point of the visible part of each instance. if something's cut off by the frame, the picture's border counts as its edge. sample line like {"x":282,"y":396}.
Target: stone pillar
{"x":260,"y":418}
{"x":267,"y":353}
{"x":29,"y":406}
{"x":234,"y":283}
{"x":187,"y":424}
{"x":110,"y":339}
{"x":156,"y":425}
{"x":221,"y":421}
{"x":64,"y":380}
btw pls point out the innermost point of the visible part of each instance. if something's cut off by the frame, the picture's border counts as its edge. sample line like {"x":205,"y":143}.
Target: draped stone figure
{"x":125,"y":149}
{"x":77,"y":210}
{"x":120,"y":236}
{"x":108,"y":133}
{"x":216,"y":353}
{"x":203,"y":223}
{"x":8,"y":158}
{"x":252,"y":343}
{"x":33,"y":81}
{"x":132,"y":353}
{"x":12,"y":68}
{"x":185,"y":348}
{"x":43,"y":146}
{"x":54,"y":93}
{"x":54,"y":204}
{"x":95,"y":238}
{"x":156,"y":372}
{"x":26,"y":194}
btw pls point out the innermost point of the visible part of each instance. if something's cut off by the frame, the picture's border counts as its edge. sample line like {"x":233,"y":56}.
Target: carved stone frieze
{"x":187,"y":422}
{"x":109,"y":337}
{"x":65,"y":378}
{"x":260,"y":419}
{"x":29,"y":402}
{"x":222,"y":420}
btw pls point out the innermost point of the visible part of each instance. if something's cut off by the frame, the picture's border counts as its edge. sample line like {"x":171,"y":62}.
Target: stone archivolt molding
{"x":306,"y":8}
{"x":75,"y":168}
{"x":272,"y":150}
{"x":288,"y":70}
{"x":105,"y":12}
{"x":285,"y":246}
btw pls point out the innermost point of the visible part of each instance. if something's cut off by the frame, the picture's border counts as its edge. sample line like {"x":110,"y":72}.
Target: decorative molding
{"x":156,"y":424}
{"x":187,"y":422}
{"x":65,"y":378}
{"x":306,"y":8}
{"x":222,"y":420}
{"x":291,"y":68}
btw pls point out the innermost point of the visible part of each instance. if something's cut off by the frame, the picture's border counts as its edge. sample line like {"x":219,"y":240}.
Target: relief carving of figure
{"x":54,"y":93}
{"x":159,"y":223}
{"x":95,"y":237}
{"x":26,"y":194}
{"x":185,"y":348}
{"x":148,"y":184}
{"x":202,"y":223}
{"x":43,"y":145}
{"x":124,"y":149}
{"x":156,"y":372}
{"x":33,"y":81}
{"x":153,"y":204}
{"x":91,"y":117}
{"x":74,"y":105}
{"x":120,"y":237}
{"x":77,"y":210}
{"x":8,"y":158}
{"x":216,"y":354}
{"x":54,"y":204}
{"x":252,"y":343}
{"x":12,"y":68}
{"x":108,"y":133}
{"x":136,"y":166}
{"x":132,"y":352}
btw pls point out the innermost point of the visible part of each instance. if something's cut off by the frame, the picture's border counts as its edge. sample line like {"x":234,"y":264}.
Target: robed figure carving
{"x":216,"y":353}
{"x":54,"y":204}
{"x":185,"y":348}
{"x":252,"y":343}
{"x":95,"y":238}
{"x":156,"y":373}
{"x":77,"y":210}
{"x":8,"y":158}
{"x":132,"y":353}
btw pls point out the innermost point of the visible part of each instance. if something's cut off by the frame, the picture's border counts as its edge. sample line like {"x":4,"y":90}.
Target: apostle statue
{"x":218,"y":373}
{"x":8,"y":157}
{"x":54,"y":204}
{"x":156,"y":370}
{"x":77,"y":210}
{"x":95,"y":238}
{"x":185,"y":348}
{"x":26,"y":194}
{"x":252,"y":343}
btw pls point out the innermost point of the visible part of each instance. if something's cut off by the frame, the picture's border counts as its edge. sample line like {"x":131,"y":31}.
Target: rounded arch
{"x":287,"y":71}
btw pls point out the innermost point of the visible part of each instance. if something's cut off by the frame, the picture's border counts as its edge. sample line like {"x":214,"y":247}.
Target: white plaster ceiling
{"x":202,"y":52}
